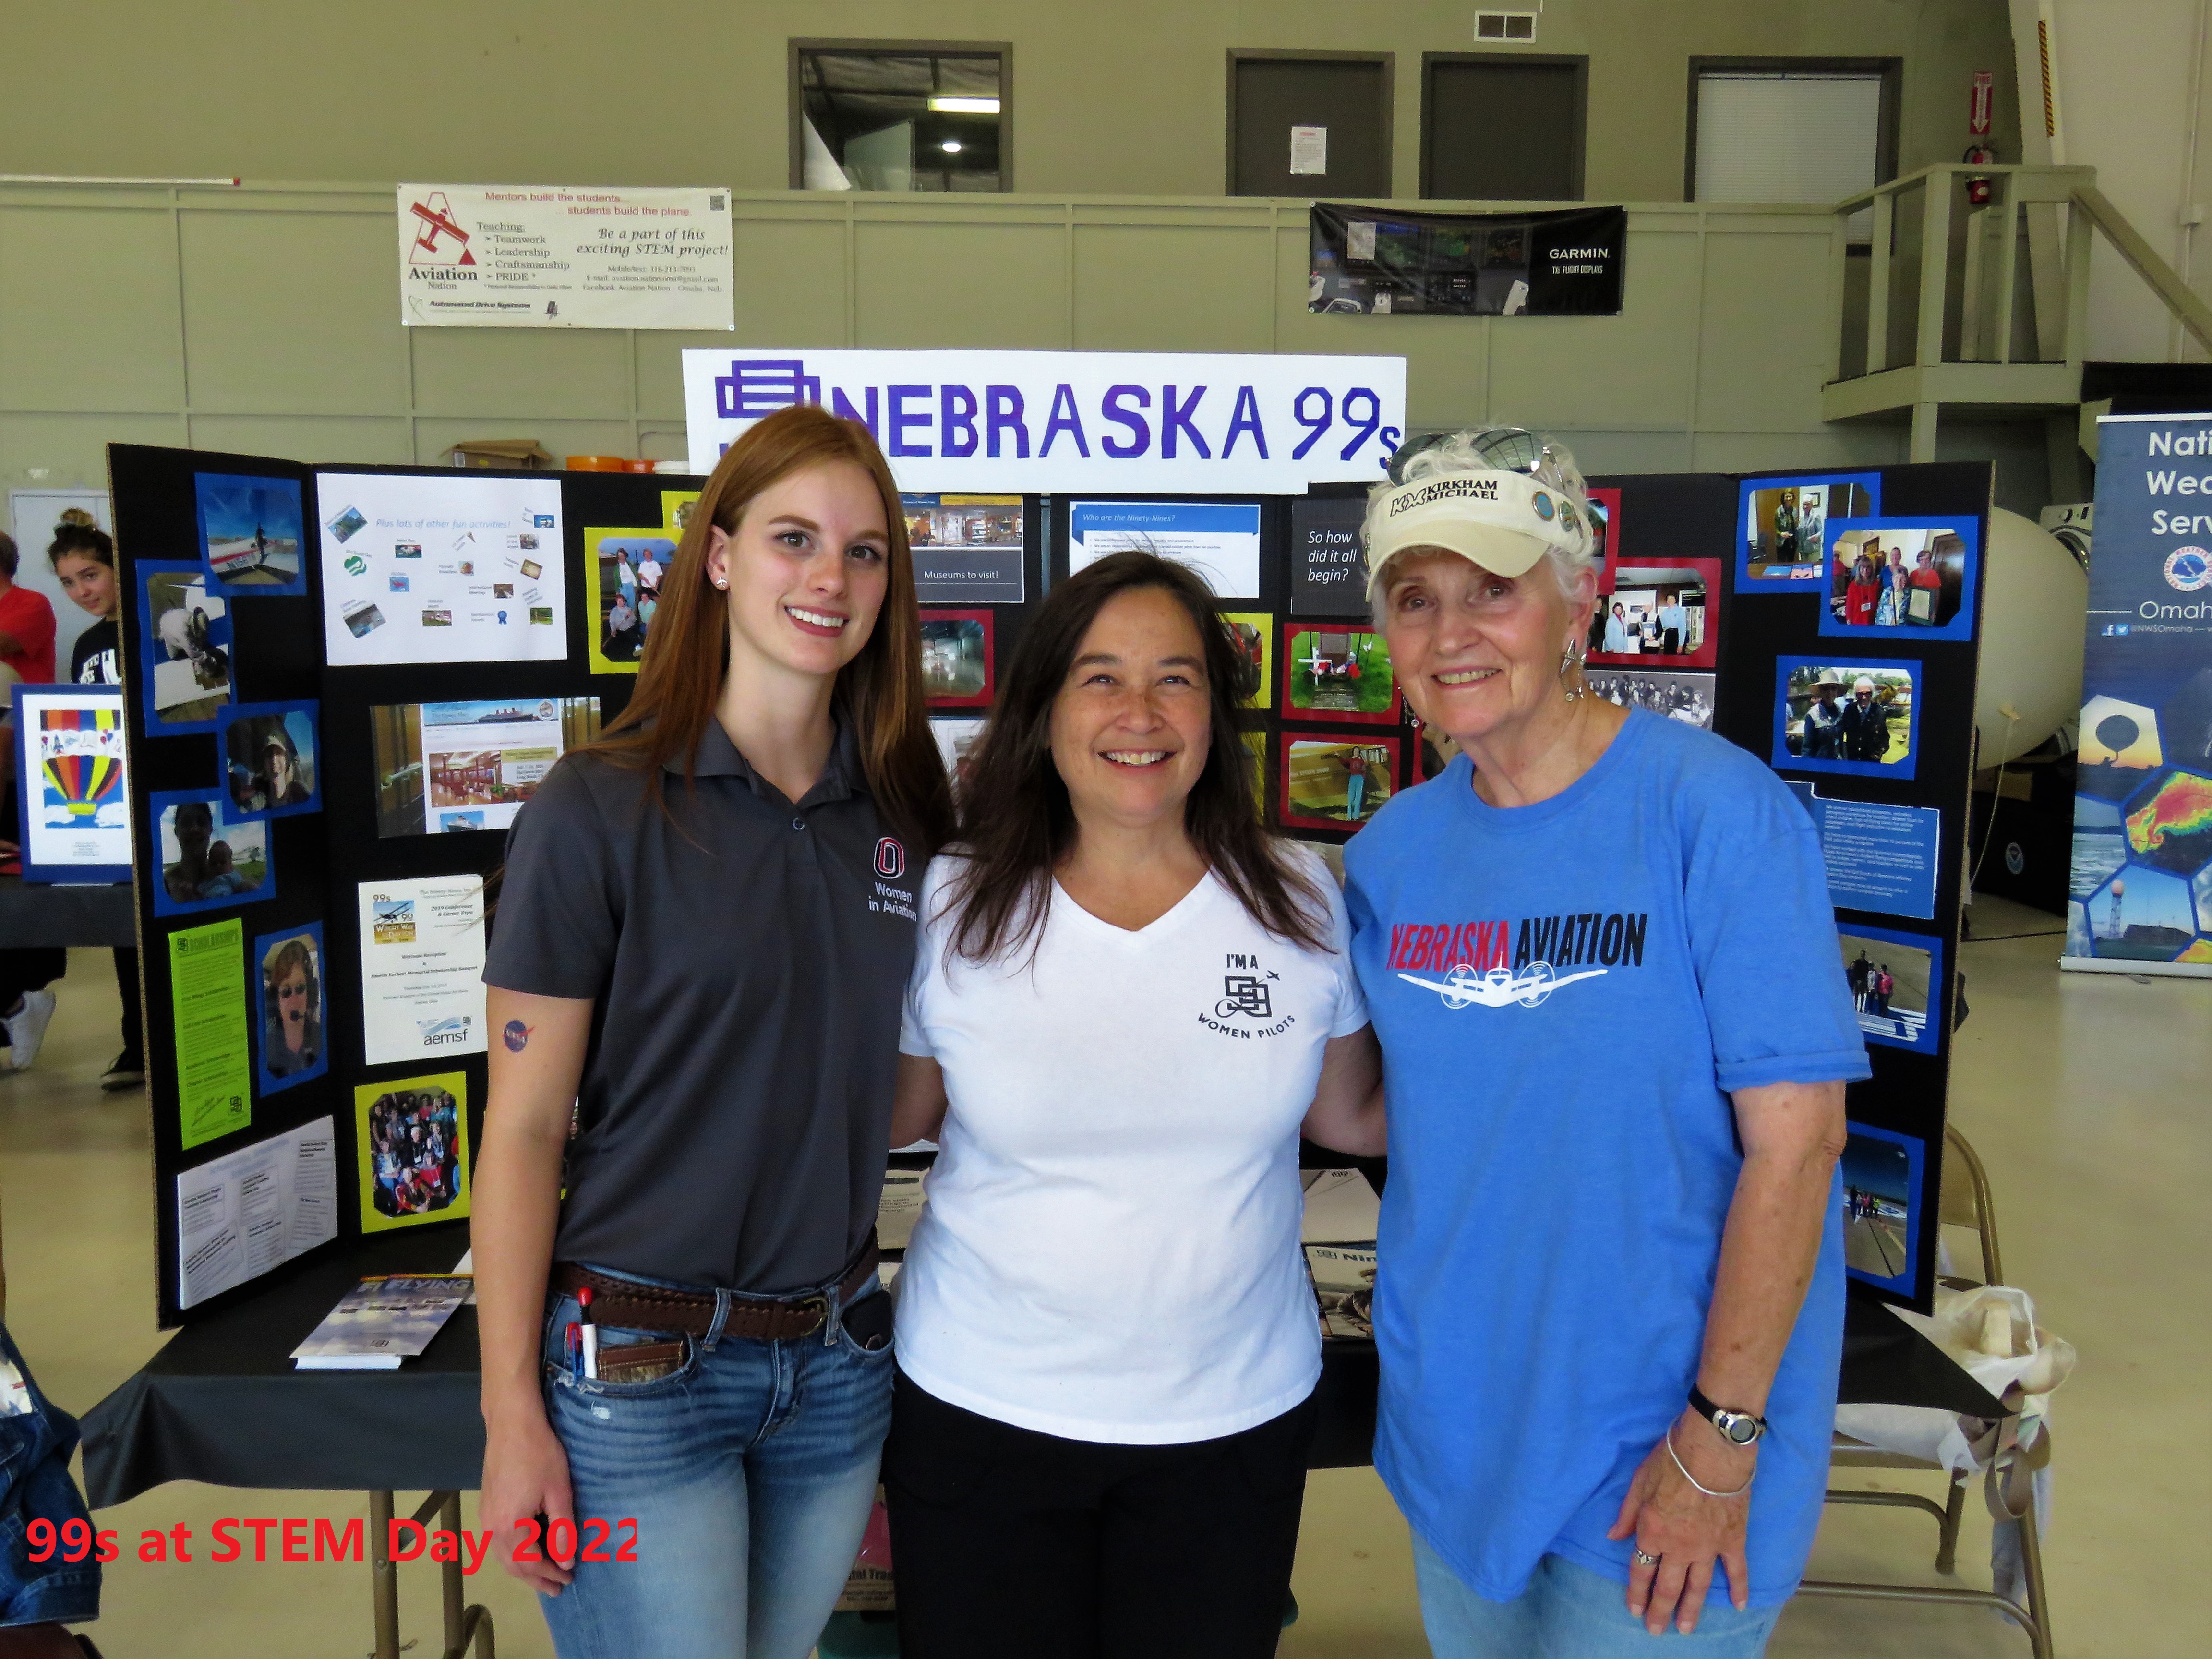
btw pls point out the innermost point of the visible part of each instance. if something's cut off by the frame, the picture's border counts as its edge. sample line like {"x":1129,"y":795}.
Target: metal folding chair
{"x":1965,"y":1202}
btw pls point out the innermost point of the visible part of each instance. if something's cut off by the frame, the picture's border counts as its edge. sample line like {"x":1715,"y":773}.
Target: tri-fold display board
{"x":346,"y":680}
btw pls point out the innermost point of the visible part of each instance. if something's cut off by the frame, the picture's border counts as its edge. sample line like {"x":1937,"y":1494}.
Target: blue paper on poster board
{"x":184,"y":664}
{"x":292,"y":1041}
{"x":1906,"y":1015}
{"x":1804,"y":742}
{"x":250,"y":533}
{"x":202,"y":859}
{"x":1884,"y":1178}
{"x":271,"y":757}
{"x":1781,"y":527}
{"x":1879,"y":857}
{"x":1923,"y":610}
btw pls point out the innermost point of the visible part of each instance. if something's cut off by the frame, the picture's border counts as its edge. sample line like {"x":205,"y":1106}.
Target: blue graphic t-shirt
{"x":1566,"y":993}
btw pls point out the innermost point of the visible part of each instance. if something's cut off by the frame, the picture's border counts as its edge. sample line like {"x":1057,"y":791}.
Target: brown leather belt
{"x":628,"y":1305}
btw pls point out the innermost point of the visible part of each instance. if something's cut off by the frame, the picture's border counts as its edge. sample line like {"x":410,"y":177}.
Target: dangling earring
{"x":1570,"y":662}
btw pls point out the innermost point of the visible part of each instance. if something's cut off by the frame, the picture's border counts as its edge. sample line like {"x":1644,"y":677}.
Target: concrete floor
{"x":2086,"y":1094}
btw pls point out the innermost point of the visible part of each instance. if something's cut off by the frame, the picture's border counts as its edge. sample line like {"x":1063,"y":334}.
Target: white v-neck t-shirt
{"x":1110,"y":1249}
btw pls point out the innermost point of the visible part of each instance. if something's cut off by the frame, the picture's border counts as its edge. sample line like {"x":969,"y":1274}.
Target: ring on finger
{"x":1643,"y":1560}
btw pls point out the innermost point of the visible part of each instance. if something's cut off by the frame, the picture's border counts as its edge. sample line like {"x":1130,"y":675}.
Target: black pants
{"x":127,"y":983}
{"x":1009,"y":1542}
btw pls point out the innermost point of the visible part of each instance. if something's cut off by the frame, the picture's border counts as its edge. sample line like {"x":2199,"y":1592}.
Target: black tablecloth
{"x":222,"y":1402}
{"x":35,"y":913}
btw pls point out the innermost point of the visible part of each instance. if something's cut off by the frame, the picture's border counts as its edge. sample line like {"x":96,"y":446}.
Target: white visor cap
{"x":1503,"y":522}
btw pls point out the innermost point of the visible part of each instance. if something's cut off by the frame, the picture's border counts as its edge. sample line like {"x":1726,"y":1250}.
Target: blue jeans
{"x":749,"y":1472}
{"x":1571,"y":1612}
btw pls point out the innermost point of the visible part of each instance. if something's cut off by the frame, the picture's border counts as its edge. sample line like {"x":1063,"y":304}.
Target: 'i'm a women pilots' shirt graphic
{"x":1566,"y":995}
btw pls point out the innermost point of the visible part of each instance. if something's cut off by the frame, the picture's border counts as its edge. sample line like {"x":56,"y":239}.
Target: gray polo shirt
{"x":747,"y":961}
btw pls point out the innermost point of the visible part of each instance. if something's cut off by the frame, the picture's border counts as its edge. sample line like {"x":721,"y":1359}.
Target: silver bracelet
{"x":1699,"y":1484}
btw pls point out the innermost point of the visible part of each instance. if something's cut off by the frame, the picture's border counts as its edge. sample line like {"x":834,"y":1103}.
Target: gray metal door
{"x":1503,"y":128}
{"x":1347,"y":98}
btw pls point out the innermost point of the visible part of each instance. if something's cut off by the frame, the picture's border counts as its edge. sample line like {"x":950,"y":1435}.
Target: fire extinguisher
{"x":1977,"y":189}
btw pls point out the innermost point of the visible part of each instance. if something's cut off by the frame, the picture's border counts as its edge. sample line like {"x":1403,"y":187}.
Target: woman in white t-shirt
{"x":1127,"y":1000}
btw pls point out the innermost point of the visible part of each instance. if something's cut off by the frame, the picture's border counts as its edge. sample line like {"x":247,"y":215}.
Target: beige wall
{"x":267,"y":321}
{"x":1111,"y":96}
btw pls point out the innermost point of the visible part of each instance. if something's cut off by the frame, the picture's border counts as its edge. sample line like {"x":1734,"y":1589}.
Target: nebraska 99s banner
{"x":1049,"y":422}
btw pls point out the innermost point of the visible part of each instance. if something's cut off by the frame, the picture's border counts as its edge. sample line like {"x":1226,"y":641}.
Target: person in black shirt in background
{"x":83,"y":559}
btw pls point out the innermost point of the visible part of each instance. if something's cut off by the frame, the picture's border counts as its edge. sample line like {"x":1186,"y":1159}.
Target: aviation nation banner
{"x":534,"y":256}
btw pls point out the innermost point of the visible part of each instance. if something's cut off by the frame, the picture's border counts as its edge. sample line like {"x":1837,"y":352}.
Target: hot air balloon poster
{"x":74,"y":792}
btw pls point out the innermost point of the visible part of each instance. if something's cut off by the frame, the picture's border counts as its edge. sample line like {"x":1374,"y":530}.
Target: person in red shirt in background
{"x":27,"y":623}
{"x":1924,"y":575}
{"x":1860,"y":598}
{"x":27,"y":648}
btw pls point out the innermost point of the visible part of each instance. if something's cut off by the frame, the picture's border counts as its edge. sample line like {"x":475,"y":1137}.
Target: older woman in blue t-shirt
{"x":1610,"y":1301}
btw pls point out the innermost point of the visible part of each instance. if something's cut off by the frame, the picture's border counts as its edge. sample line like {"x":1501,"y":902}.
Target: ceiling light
{"x":950,"y":147}
{"x":965,"y":106}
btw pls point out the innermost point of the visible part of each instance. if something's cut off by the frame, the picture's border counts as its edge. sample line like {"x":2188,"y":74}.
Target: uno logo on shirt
{"x":1490,"y":964}
{"x":890,"y":859}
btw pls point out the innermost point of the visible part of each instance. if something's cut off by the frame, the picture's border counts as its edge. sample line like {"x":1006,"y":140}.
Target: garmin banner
{"x":1054,"y":422}
{"x":1367,"y":261}
{"x":2141,"y":896}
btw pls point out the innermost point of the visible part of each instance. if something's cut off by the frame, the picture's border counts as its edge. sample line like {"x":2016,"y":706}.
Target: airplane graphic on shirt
{"x":1499,"y":988}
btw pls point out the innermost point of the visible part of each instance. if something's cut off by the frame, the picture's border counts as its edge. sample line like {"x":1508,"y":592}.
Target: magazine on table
{"x":381,"y":1321}
{"x":1344,"y":1286}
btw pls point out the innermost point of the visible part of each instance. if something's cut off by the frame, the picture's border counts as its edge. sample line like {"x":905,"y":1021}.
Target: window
{"x":1791,"y":130}
{"x":901,"y":115}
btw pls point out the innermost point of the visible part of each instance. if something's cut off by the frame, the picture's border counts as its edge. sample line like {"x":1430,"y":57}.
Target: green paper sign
{"x":207,"y":994}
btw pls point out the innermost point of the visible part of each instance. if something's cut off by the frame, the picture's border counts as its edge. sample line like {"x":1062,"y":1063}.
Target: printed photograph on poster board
{"x":1334,"y":780}
{"x":271,"y":761}
{"x":294,"y":1048}
{"x":1671,"y":695}
{"x":184,"y":649}
{"x":414,"y":563}
{"x":1605,"y":532}
{"x":1862,"y":718}
{"x":206,"y":858}
{"x":956,"y":741}
{"x":208,"y":1015}
{"x":73,"y":795}
{"x":1255,"y":633}
{"x":1895,"y":982}
{"x":1915,"y":576}
{"x":967,"y":550}
{"x":1220,"y":540}
{"x":1661,"y":614}
{"x":1255,"y":755}
{"x":1883,"y":1178}
{"x":250,"y":534}
{"x":957,"y":671}
{"x":622,"y":573}
{"x":1338,"y":674}
{"x":445,"y":766}
{"x":422,"y":967}
{"x":676,"y":509}
{"x":412,"y":1141}
{"x":241,"y":1214}
{"x":1782,"y":523}
{"x":1433,"y":749}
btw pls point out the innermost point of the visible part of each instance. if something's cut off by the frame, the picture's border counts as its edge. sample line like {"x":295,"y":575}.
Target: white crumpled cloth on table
{"x":1991,"y":1333}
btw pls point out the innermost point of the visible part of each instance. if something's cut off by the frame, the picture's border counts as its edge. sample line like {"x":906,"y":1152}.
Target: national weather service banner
{"x":2141,"y":897}
{"x":1118,"y":422}
{"x":537,"y":256}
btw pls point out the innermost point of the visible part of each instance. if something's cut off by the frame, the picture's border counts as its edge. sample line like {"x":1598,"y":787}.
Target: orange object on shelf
{"x":597,"y":464}
{"x":637,"y":466}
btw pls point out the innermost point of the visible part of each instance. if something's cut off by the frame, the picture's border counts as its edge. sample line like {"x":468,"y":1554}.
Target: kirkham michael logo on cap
{"x":1480,"y":490}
